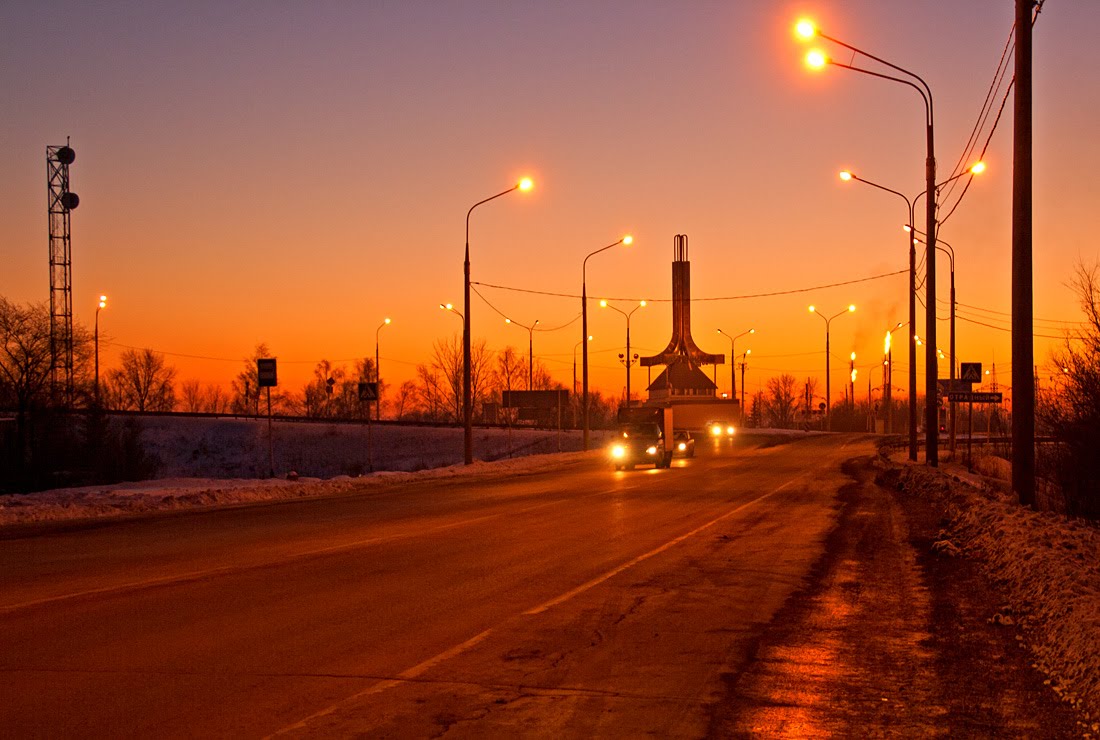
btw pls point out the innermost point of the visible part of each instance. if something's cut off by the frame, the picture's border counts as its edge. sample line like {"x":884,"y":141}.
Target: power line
{"x":793,"y":291}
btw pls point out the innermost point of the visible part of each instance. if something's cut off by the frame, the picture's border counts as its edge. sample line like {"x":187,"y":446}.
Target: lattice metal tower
{"x":61,"y":201}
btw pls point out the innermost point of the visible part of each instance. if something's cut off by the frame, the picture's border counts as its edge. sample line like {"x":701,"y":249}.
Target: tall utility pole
{"x":1023,"y":351}
{"x":61,"y":201}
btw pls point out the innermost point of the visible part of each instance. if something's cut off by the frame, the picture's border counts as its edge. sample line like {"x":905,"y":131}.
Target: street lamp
{"x":818,"y":59}
{"x":950,"y":252}
{"x":627,"y":241}
{"x":888,"y":383}
{"x":467,"y":361}
{"x":741,"y":408}
{"x":626,"y":359}
{"x":450,"y":307}
{"x":847,"y":176}
{"x":99,"y":307}
{"x":733,"y":355}
{"x":530,"y":350}
{"x":378,"y":372}
{"x":575,"y":347}
{"x":828,"y":395}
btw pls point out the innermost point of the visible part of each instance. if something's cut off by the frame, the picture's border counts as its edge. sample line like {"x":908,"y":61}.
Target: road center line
{"x":656,"y":551}
{"x":406,"y":675}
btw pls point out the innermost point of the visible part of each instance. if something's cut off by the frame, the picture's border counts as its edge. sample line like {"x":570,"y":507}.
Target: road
{"x":577,"y":602}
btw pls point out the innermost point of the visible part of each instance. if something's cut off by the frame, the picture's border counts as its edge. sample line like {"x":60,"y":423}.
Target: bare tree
{"x":144,"y":382}
{"x":406,"y":394}
{"x":192,"y":396}
{"x":781,"y":400}
{"x":24,"y":355}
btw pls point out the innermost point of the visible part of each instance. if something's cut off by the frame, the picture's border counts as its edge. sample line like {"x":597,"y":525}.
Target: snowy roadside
{"x":1046,"y":565}
{"x":123,"y":499}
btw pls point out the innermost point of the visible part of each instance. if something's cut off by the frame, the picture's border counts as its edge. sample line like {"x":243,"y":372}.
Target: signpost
{"x":971,"y":372}
{"x":267,"y":376}
{"x":368,"y":392}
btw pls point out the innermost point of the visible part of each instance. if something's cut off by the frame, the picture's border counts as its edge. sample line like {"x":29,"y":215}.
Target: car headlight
{"x":618,"y":451}
{"x":651,"y":450}
{"x":716,"y":430}
{"x":730,"y":431}
{"x":683,"y":446}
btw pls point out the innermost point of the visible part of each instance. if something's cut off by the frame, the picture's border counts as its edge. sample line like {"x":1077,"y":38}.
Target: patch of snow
{"x":1046,"y":564}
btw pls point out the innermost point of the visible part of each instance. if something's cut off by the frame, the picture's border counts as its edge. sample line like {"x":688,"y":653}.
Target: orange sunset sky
{"x":293,"y":173}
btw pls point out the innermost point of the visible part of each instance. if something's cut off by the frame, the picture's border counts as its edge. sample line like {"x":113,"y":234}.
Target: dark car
{"x":683,"y":444}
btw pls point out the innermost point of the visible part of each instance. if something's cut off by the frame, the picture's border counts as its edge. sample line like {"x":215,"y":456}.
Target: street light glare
{"x":816,"y":59}
{"x":845,"y":175}
{"x":642,"y":304}
{"x":603,"y":303}
{"x":387,"y":321}
{"x":978,"y":168}
{"x":812,"y":309}
{"x":851,"y":308}
{"x":628,"y":240}
{"x":752,"y":331}
{"x":526,"y":184}
{"x":805,"y":29}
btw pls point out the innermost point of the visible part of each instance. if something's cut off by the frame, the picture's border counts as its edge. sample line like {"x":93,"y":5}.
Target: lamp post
{"x":626,"y":240}
{"x":828,"y":388}
{"x":741,"y":408}
{"x":817,"y":59}
{"x":450,"y":307}
{"x":99,"y":307}
{"x":467,"y":361}
{"x":950,"y":252}
{"x":733,"y":356}
{"x":888,"y":382}
{"x":575,"y":347}
{"x":378,"y":372}
{"x":626,"y":359}
{"x":530,"y":350}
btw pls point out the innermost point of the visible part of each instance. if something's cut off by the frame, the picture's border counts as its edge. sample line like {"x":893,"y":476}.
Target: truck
{"x":644,"y":438}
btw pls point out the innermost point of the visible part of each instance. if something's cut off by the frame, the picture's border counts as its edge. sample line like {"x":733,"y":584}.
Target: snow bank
{"x":125,"y":499}
{"x":1047,"y":565}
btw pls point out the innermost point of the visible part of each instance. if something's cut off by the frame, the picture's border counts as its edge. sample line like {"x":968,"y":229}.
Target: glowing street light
{"x":450,"y":307}
{"x":627,"y":241}
{"x":828,"y":391}
{"x":530,"y":350}
{"x":806,"y":29}
{"x":99,"y":307}
{"x":733,"y":354}
{"x":626,"y":359}
{"x":524,"y":184}
{"x":378,"y":371}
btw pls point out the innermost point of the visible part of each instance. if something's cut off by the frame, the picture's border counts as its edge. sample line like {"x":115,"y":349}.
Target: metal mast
{"x":61,"y":201}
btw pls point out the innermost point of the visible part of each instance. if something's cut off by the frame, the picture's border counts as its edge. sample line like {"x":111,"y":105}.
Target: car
{"x":683,"y":444}
{"x":640,"y":443}
{"x":720,"y":429}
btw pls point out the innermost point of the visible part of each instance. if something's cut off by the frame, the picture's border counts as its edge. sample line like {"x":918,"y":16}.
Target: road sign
{"x":368,"y":392}
{"x":976,"y":397}
{"x":971,"y":371}
{"x":266,"y":372}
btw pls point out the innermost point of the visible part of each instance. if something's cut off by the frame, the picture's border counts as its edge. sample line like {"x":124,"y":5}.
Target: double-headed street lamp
{"x":818,"y":60}
{"x":627,"y":241}
{"x":733,"y":355}
{"x":467,"y":360}
{"x":828,"y":388}
{"x":99,"y":307}
{"x":846,"y":175}
{"x":530,"y":350}
{"x":378,"y":372}
{"x":626,"y":359}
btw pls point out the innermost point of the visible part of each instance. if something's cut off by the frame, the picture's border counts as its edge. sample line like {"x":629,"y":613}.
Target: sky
{"x":294,"y":173}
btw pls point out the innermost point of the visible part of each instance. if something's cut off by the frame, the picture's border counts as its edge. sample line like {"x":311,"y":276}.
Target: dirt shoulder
{"x":893,"y":636}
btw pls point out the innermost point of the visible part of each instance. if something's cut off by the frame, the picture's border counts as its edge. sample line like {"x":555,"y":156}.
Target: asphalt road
{"x":573,"y":603}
